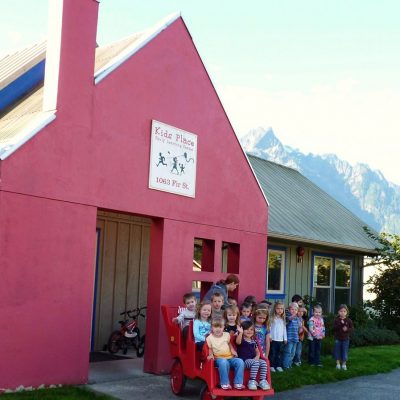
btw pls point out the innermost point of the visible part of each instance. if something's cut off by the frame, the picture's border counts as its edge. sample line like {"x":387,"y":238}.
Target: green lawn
{"x":362,"y":361}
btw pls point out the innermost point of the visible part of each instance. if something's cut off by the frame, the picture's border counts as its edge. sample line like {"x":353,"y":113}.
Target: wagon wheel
{"x":205,"y":394}
{"x":178,"y":379}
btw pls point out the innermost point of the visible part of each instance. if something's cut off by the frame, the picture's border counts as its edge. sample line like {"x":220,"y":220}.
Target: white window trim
{"x":282,"y":277}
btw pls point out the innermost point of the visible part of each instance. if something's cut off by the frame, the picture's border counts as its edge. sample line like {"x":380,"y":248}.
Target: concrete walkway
{"x":126,"y":380}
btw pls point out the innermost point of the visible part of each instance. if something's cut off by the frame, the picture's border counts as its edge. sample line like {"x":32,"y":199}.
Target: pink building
{"x":102,"y":205}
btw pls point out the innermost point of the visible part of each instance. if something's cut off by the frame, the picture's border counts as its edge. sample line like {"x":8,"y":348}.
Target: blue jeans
{"x":225,"y":364}
{"x":341,"y":349}
{"x":275,"y":354}
{"x":314,"y":354}
{"x":297,"y":353}
{"x":288,"y":354}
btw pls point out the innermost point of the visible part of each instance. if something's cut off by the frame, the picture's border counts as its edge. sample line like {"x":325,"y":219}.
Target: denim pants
{"x":297,"y":353}
{"x":275,"y":354}
{"x":288,"y":354}
{"x":225,"y":364}
{"x":314,"y":353}
{"x":341,"y":349}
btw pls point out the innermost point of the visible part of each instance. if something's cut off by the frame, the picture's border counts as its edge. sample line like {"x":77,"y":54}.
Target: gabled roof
{"x":301,"y":211}
{"x":23,"y":116}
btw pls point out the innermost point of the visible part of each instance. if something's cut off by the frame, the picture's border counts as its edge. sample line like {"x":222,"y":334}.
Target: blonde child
{"x":245,"y":312}
{"x":249,"y":352}
{"x":232,"y":320}
{"x":217,"y":301}
{"x":278,"y":336}
{"x":201,"y":325}
{"x":186,"y":314}
{"x":316,"y":328}
{"x":261,"y":328}
{"x":224,"y":355}
{"x":301,"y":312}
{"x":342,"y":327}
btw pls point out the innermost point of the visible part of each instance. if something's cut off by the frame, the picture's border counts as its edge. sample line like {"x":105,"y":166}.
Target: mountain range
{"x":362,"y":190}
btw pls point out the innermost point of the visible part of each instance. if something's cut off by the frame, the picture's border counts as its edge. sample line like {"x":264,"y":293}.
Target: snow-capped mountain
{"x":362,"y":190}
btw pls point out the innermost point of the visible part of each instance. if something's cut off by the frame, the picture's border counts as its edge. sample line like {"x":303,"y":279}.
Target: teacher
{"x":224,"y":287}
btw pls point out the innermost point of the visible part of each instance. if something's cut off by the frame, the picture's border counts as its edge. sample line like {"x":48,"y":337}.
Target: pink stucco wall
{"x":46,"y":289}
{"x":96,"y":155}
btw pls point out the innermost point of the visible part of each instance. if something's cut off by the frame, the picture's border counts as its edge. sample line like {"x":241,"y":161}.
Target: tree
{"x":385,"y":283}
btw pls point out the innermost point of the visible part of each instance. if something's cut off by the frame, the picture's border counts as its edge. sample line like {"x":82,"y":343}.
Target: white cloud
{"x":356,"y":124}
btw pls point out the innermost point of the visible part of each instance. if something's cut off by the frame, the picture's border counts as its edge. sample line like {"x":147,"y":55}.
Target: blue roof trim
{"x":22,"y":85}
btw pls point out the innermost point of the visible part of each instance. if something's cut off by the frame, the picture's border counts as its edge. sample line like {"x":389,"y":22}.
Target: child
{"x":302,"y":330}
{"x":248,"y":351}
{"x":342,"y":327}
{"x":225,"y":356}
{"x":278,"y":336}
{"x":232,"y":321}
{"x":201,"y":325}
{"x":232,"y":301}
{"x":245,"y":312}
{"x":316,"y":328}
{"x":264,"y":304}
{"x":261,"y":328}
{"x":186,"y":314}
{"x":292,"y":331}
{"x":252,"y":300}
{"x":217,"y":301}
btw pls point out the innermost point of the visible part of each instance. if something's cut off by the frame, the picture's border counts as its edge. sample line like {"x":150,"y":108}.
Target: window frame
{"x":277,"y":294}
{"x":332,"y":287}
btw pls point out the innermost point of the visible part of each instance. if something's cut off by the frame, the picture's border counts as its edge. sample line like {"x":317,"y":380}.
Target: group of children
{"x":246,"y":337}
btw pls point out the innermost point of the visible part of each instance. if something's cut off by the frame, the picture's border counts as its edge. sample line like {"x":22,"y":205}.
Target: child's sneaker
{"x":344,"y":367}
{"x":272,"y":369}
{"x":252,"y":385}
{"x":226,"y":387}
{"x":264,"y":385}
{"x":279,"y":369}
{"x":297,"y":364}
{"x":337,"y":366}
{"x":239,"y":386}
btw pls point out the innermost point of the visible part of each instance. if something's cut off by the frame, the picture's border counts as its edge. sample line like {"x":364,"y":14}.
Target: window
{"x":331,"y":281}
{"x":276,"y":271}
{"x":322,"y":280}
{"x":230,"y":256}
{"x":342,"y":282}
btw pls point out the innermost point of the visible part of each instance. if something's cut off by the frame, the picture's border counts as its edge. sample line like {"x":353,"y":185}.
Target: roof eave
{"x":299,"y":239}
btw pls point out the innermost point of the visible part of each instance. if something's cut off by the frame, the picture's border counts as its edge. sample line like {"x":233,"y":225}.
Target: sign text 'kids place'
{"x":173,"y":160}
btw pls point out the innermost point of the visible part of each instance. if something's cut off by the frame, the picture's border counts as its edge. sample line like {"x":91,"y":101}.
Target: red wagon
{"x":189,"y":364}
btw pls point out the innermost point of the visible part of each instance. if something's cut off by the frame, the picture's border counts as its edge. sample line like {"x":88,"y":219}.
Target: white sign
{"x":173,"y":160}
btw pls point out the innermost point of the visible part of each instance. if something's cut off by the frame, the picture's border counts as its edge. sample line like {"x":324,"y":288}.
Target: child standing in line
{"x":248,"y":351}
{"x":201,"y":325}
{"x":261,"y":328}
{"x":224,"y":355}
{"x":302,"y":330}
{"x":342,"y":327}
{"x":186,"y":314}
{"x":217,"y":302}
{"x":292,"y":329}
{"x":232,"y":320}
{"x":278,"y":336}
{"x":245,"y":312}
{"x":316,"y":328}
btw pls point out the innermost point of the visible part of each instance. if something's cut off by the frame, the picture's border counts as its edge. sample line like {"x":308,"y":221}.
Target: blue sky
{"x":324,"y":74}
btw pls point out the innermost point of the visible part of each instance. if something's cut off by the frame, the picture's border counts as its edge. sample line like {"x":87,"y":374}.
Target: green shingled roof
{"x":300,"y":210}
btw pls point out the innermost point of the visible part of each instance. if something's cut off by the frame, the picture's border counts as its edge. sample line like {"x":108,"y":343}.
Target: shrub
{"x":373,"y":336}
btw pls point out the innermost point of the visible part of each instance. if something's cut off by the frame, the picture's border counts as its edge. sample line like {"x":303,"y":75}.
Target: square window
{"x":203,"y":255}
{"x":230,"y":256}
